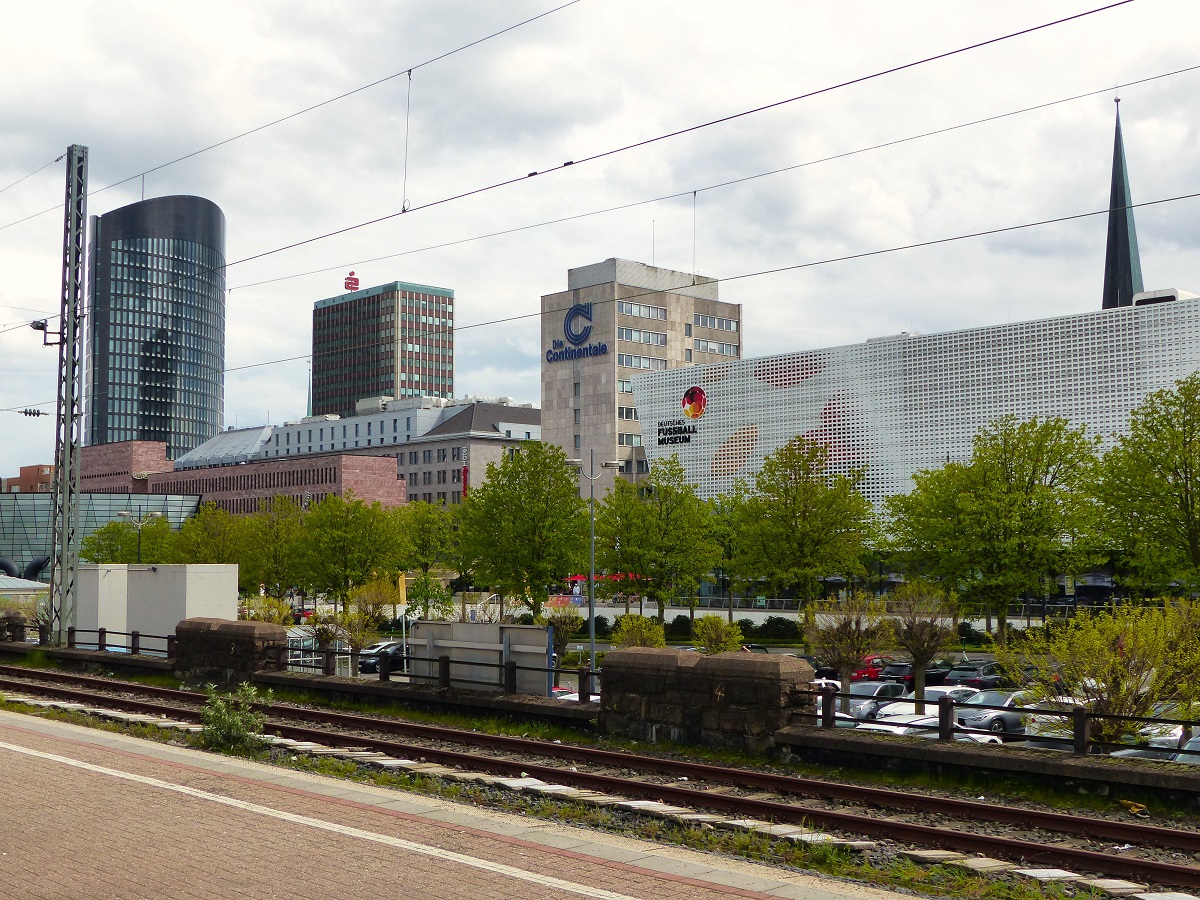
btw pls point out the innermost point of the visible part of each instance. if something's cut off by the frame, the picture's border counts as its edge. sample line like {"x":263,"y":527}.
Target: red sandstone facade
{"x":242,"y":488}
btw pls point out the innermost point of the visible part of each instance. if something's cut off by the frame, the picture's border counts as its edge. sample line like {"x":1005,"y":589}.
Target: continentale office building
{"x":154,"y":354}
{"x":616,"y":320}
{"x":394,"y":340}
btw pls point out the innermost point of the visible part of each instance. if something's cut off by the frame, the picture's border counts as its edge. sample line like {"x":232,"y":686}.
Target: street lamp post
{"x":139,"y":522}
{"x":578,"y":464}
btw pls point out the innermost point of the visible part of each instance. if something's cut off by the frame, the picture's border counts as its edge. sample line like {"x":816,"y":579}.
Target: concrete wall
{"x":153,"y":599}
{"x":470,"y":642}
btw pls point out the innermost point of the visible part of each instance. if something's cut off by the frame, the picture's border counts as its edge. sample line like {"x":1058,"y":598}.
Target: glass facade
{"x":897,"y":405}
{"x":155,"y":352}
{"x":395,"y":340}
{"x":26,"y":520}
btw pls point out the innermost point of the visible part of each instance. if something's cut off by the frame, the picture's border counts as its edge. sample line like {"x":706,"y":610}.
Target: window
{"x":628,"y":440}
{"x":576,"y":389}
{"x":687,"y":355}
{"x":456,"y":475}
{"x":716,"y":347}
{"x":624,"y":386}
{"x":427,"y":456}
{"x":427,"y":477}
{"x":441,"y":497}
{"x":577,"y":442}
{"x":578,"y":414}
{"x":642,"y":311}
{"x":643,"y":466}
{"x":627,"y":412}
{"x":715,"y":322}
{"x":637,"y":336}
{"x":456,"y":453}
{"x":441,"y":454}
{"x":412,"y":457}
{"x":441,"y":479}
{"x":687,"y":329}
{"x":630,"y":361}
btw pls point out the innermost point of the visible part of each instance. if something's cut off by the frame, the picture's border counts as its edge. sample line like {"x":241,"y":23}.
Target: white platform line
{"x":399,"y":843}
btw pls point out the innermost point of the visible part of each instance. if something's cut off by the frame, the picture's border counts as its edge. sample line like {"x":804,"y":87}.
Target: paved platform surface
{"x":89,"y":814}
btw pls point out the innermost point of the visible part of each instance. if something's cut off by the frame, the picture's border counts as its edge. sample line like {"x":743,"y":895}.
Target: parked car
{"x":907,"y":704}
{"x":754,"y":648}
{"x":870,"y":666}
{"x":982,"y":675}
{"x":1189,"y":753}
{"x":368,"y":660}
{"x":867,"y":696}
{"x":924,"y":726}
{"x":819,"y":670}
{"x":1009,"y":720}
{"x":903,"y":673}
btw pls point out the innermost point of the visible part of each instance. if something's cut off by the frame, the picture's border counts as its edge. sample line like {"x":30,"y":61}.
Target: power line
{"x":662,"y":137}
{"x":31,"y":174}
{"x":719,"y":184}
{"x":289,"y":116}
{"x":773,"y":271}
{"x":645,"y":142}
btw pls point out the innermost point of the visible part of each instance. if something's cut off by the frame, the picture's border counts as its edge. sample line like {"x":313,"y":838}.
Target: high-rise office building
{"x":155,"y":346}
{"x":394,"y":340}
{"x":618,"y":319}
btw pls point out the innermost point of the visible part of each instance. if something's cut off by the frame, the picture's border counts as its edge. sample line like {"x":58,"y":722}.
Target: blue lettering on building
{"x":577,"y":336}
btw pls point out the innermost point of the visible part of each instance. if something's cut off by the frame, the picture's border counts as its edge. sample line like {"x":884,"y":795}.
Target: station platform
{"x":92,"y":814}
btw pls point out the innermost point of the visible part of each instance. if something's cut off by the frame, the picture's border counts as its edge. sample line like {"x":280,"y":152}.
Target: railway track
{"x":747,"y":793}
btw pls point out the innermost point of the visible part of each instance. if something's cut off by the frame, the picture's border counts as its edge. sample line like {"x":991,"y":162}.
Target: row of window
{"x":252,"y":481}
{"x":426,"y":477}
{"x":638,"y":336}
{"x":642,"y":311}
{"x":716,"y":322}
{"x":455,"y":497}
{"x":629,"y":440}
{"x":716,"y":347}
{"x":653,"y":363}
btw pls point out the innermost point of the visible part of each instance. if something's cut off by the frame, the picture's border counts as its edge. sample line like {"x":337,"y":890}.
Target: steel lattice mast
{"x":68,"y":436}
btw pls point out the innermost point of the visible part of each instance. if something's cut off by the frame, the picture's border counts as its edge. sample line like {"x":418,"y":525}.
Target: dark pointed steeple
{"x":1122,"y":265}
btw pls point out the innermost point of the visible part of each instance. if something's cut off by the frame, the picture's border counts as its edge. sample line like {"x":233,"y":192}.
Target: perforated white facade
{"x":894,"y":406}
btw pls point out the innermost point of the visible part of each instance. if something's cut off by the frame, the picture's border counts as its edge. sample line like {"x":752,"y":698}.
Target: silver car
{"x":1008,"y":719}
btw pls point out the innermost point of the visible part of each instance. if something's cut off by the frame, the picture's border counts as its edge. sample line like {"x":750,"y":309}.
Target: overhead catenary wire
{"x":31,"y":174}
{"x":678,"y":132}
{"x":297,"y":113}
{"x":650,"y":292}
{"x":645,"y":142}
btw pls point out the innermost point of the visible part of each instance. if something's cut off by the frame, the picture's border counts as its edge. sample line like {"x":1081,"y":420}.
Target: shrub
{"x":524,"y":619}
{"x":680,"y":627}
{"x":638,"y":631}
{"x":231,"y":723}
{"x":749,"y":629}
{"x":714,"y":634}
{"x":603,"y":626}
{"x":779,"y":628}
{"x":971,"y":636}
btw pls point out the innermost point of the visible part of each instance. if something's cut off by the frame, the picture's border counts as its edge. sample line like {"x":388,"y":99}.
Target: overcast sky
{"x":144,"y":83}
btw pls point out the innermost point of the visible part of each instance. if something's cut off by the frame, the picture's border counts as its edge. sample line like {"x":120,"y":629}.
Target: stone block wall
{"x":731,"y":700}
{"x":224,"y":651}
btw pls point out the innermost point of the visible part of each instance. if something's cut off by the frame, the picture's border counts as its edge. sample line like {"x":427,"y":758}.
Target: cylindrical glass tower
{"x":155,"y":353}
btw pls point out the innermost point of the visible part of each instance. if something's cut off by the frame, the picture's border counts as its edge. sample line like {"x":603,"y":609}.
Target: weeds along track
{"x":1107,"y":846}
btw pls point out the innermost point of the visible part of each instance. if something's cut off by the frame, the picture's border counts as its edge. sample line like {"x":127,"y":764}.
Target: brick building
{"x":30,"y":480}
{"x":141,"y":467}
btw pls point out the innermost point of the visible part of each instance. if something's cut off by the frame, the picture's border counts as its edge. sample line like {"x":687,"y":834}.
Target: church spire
{"x":1122,"y":265}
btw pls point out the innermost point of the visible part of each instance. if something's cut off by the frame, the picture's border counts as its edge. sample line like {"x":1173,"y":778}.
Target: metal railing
{"x":134,"y":642}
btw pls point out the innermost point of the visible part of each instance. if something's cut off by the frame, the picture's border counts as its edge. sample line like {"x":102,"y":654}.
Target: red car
{"x":870,"y":667}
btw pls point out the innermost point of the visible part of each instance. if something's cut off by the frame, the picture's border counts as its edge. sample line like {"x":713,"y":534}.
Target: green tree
{"x":428,"y":598}
{"x":212,"y":536}
{"x":1116,"y":663}
{"x":801,"y":523}
{"x":924,"y":623}
{"x":1017,"y":513}
{"x":113,"y":542}
{"x":675,"y":547}
{"x":265,"y":608}
{"x":727,"y":528}
{"x":638,"y":631}
{"x":622,"y":528}
{"x":842,"y":632}
{"x":713,"y":634}
{"x":1149,"y":491}
{"x":346,"y":543}
{"x":273,"y":536}
{"x":525,"y":525}
{"x":564,"y":618}
{"x":427,"y":531}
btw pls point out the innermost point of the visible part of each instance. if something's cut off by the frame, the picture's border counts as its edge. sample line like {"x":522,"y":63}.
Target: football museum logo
{"x":577,"y":328}
{"x":680,"y":431}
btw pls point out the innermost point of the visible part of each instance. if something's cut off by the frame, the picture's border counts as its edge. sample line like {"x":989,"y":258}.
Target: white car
{"x":907,"y":706}
{"x":926,"y":726}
